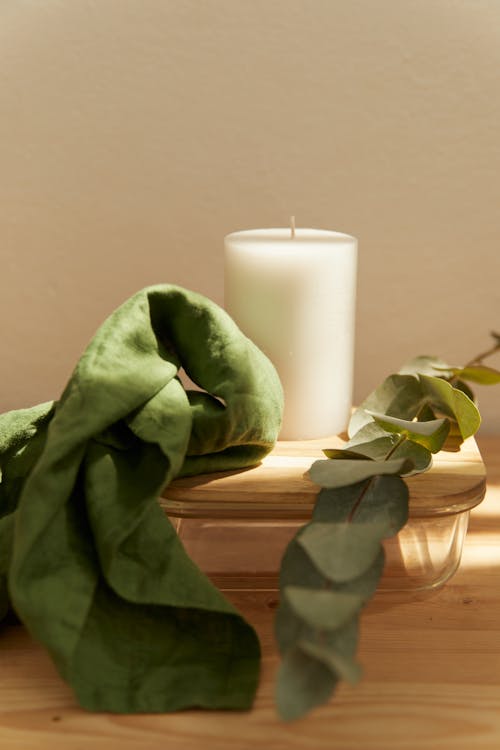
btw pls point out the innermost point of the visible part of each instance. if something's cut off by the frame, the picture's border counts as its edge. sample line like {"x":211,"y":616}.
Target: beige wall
{"x":134,"y":134}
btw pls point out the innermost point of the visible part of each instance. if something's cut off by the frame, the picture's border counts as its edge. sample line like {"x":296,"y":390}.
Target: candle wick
{"x":292,"y":226}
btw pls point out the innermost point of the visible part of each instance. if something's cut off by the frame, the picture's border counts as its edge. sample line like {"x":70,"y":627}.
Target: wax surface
{"x":295,"y":298}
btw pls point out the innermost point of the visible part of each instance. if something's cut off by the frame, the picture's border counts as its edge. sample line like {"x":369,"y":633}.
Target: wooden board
{"x":431,"y":679}
{"x":279,"y":487}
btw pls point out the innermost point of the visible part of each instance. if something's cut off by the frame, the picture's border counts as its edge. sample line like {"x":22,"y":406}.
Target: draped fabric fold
{"x":88,"y":560}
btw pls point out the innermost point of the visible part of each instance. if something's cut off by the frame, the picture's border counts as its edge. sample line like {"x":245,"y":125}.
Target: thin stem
{"x":479,"y":358}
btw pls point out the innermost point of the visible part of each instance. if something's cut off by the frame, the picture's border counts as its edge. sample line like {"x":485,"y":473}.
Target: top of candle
{"x":284,"y":235}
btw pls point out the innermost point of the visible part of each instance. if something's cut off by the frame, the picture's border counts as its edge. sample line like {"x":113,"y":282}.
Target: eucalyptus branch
{"x":333,"y":565}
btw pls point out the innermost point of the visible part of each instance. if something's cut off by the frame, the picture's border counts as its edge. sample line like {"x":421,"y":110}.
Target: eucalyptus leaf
{"x":297,"y":567}
{"x":431,"y":434}
{"x":384,"y":443}
{"x":384,"y":501}
{"x":366,"y":584}
{"x":370,"y":431}
{"x":344,"y":453}
{"x":426,"y":365}
{"x":304,"y":682}
{"x":344,"y":640}
{"x":425,"y":413}
{"x":337,"y":505}
{"x":343,"y":667}
{"x":420,"y":456}
{"x":453,"y":403}
{"x":377,"y":449}
{"x":328,"y":473}
{"x":399,"y":396}
{"x":385,"y":504}
{"x":461,"y":385}
{"x":290,"y":629}
{"x":478,"y":374}
{"x":322,"y":608}
{"x":342,"y":551}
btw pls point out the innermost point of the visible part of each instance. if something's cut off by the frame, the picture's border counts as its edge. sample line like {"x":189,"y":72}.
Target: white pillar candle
{"x":293,"y":293}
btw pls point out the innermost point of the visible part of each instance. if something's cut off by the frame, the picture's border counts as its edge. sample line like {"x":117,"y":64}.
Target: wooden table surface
{"x":431,"y":674}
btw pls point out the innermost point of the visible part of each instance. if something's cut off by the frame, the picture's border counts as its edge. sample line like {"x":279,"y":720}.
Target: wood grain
{"x":431,"y":675}
{"x":280,"y":487}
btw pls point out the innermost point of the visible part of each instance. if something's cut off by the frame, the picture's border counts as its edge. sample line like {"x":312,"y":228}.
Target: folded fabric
{"x":88,"y":560}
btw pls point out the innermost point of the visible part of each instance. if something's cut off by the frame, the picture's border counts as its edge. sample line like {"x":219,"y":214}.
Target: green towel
{"x":88,"y":560}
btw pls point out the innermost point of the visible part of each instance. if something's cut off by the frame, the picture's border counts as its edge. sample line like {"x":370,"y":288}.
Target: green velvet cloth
{"x":88,"y":560}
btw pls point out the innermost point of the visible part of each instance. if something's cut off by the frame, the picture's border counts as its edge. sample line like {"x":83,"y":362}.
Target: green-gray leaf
{"x":384,"y":501}
{"x":344,"y":453}
{"x":342,"y":666}
{"x":321,"y":608}
{"x":431,"y":434}
{"x":465,"y":388}
{"x":426,"y":365}
{"x":342,"y":551}
{"x":290,"y":629}
{"x":304,"y":681}
{"x":453,"y":403}
{"x":377,"y":449}
{"x":374,"y":442}
{"x":478,"y":374}
{"x":370,"y":431}
{"x":297,"y":567}
{"x":366,"y":584}
{"x":337,"y":505}
{"x":420,"y":456}
{"x":328,"y":473}
{"x":399,"y":396}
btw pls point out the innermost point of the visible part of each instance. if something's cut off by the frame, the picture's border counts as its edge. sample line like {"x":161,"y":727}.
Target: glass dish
{"x":236,"y":525}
